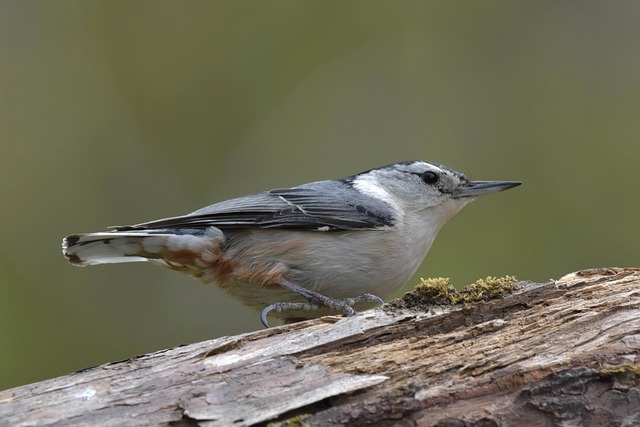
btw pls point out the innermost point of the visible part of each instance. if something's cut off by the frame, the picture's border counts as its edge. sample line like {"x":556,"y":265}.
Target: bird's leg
{"x":316,"y":301}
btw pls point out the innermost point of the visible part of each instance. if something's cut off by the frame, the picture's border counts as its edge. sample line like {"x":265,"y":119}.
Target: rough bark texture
{"x":560,"y":353}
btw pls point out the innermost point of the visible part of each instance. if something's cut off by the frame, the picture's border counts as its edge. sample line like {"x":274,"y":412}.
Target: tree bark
{"x":565,"y":353}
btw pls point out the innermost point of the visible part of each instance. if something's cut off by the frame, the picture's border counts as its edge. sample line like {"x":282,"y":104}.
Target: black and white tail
{"x":136,"y":246}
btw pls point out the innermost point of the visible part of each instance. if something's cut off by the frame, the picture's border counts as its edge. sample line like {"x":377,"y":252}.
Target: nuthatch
{"x":327,"y":246}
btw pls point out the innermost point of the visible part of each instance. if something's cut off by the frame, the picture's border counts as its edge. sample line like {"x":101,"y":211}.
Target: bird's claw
{"x":340,"y":304}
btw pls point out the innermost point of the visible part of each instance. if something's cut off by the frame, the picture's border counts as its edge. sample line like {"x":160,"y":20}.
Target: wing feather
{"x":323,"y":205}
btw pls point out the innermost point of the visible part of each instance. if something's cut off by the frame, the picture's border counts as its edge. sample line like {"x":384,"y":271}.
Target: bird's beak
{"x":480,"y":188}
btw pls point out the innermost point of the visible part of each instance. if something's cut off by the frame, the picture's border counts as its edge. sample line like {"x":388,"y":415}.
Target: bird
{"x":338,"y":245}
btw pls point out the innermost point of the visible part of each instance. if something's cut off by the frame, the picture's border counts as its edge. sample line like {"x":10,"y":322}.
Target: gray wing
{"x":324,"y":205}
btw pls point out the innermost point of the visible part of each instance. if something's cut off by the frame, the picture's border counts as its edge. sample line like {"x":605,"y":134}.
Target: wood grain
{"x":565,"y":352}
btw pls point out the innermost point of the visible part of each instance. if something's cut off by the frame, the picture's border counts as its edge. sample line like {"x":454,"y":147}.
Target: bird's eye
{"x":429,"y":177}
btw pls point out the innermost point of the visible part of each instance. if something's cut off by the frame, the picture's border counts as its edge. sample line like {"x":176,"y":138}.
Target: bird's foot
{"x":316,"y":301}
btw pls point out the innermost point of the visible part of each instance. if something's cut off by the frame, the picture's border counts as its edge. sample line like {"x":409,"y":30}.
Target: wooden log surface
{"x":565,"y":352}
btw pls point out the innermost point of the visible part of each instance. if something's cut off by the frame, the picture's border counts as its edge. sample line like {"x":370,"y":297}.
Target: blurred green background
{"x":117,"y":112}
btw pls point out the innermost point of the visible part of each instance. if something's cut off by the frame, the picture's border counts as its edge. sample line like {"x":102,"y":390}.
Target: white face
{"x":416,"y":186}
{"x":421,"y":195}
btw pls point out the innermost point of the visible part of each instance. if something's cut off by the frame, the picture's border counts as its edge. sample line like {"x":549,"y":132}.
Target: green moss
{"x":296,"y":421}
{"x":624,"y":376}
{"x":403,"y":390}
{"x":624,"y":369}
{"x":436,"y":291}
{"x":488,"y":289}
{"x":439,"y":292}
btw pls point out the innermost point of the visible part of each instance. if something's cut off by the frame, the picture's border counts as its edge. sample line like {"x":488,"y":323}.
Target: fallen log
{"x":566,"y":352}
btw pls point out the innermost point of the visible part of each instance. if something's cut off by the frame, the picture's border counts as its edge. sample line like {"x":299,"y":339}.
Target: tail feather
{"x":134,"y":246}
{"x":105,"y":248}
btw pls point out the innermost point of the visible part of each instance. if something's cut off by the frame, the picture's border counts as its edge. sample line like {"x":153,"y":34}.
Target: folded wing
{"x":323,"y":206}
